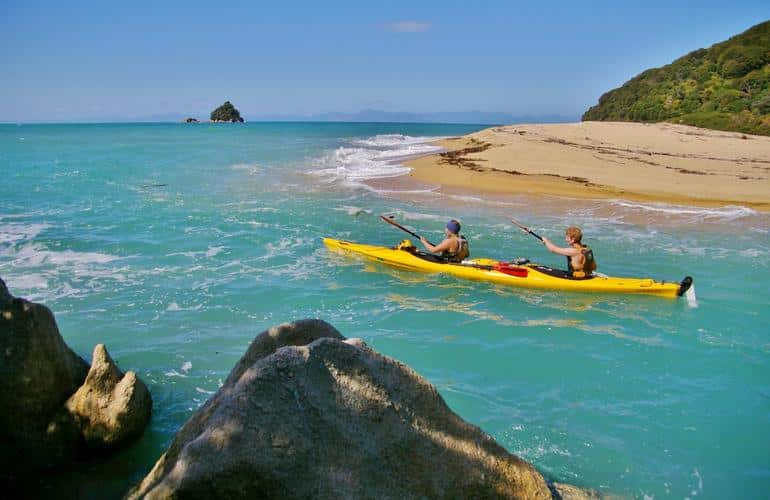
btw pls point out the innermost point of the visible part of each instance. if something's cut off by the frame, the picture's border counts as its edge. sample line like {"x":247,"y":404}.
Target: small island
{"x":226,"y":113}
{"x":190,"y":120}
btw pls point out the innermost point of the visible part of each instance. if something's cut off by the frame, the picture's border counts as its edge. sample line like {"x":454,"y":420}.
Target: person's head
{"x":573,"y":234}
{"x":453,"y":227}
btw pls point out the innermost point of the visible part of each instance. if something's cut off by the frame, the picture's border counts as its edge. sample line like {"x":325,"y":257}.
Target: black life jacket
{"x":462,"y":253}
{"x":589,"y":264}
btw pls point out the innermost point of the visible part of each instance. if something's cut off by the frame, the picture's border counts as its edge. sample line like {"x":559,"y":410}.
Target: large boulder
{"x":38,"y":373}
{"x":48,"y":416}
{"x":110,"y":408}
{"x":332,"y":419}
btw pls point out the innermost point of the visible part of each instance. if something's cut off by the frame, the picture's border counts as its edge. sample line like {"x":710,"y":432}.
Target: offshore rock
{"x":110,"y":408}
{"x":226,"y":113}
{"x":308,"y":414}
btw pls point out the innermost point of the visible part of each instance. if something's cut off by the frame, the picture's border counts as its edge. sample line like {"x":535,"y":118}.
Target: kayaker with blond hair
{"x":580,"y":258}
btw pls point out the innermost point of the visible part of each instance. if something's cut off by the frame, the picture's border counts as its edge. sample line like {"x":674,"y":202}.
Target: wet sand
{"x":597,"y":160}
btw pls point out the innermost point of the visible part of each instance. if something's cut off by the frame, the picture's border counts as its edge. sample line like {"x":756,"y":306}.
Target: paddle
{"x":390,"y":221}
{"x":527,"y":230}
{"x":503,"y":267}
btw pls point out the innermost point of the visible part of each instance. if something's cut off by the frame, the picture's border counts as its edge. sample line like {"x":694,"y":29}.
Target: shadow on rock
{"x":53,"y":408}
{"x":307,"y":413}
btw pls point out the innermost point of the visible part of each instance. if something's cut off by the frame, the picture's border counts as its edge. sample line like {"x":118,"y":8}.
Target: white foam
{"x":377,"y":157}
{"x":209,"y":252}
{"x":15,"y":232}
{"x":692,"y":300}
{"x":250,"y":168}
{"x":353,"y":211}
{"x":31,"y":255}
{"x":212,"y":251}
{"x":729,"y":212}
{"x":173,"y":307}
{"x":393,"y":140}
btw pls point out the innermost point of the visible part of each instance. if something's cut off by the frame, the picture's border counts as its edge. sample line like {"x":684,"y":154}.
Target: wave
{"x":14,"y":232}
{"x":36,"y":272}
{"x":729,"y":212}
{"x":250,"y":168}
{"x":393,"y":140}
{"x":377,"y":157}
{"x":212,"y":251}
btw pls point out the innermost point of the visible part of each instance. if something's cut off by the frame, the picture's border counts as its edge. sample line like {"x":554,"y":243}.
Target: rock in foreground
{"x":308,"y":414}
{"x":111,"y":407}
{"x":48,"y":416}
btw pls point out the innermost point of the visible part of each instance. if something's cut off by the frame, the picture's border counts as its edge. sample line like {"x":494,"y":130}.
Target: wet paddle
{"x":527,"y":230}
{"x":389,"y":220}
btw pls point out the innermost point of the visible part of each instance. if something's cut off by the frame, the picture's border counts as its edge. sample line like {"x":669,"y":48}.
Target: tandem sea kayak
{"x":520,"y":273}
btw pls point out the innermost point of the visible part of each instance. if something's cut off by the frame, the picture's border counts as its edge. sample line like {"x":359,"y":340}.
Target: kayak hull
{"x":528,"y":275}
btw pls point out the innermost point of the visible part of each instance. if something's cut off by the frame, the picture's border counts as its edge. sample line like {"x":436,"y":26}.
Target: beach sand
{"x":634,"y":161}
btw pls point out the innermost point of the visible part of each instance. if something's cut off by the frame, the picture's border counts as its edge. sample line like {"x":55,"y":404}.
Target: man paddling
{"x":454,"y":248}
{"x":580,"y":258}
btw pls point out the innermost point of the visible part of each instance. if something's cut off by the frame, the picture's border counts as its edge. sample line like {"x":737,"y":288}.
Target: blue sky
{"x":94,"y":61}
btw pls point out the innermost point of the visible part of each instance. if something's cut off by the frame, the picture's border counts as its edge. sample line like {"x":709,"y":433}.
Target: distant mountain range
{"x":724,"y":87}
{"x":480,"y":117}
{"x":373,"y":115}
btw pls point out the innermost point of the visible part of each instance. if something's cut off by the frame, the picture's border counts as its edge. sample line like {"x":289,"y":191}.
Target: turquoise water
{"x":175,"y":245}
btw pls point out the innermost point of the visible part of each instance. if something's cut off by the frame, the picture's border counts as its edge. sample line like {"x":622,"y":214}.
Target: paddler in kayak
{"x":454,"y":248}
{"x":580,"y":258}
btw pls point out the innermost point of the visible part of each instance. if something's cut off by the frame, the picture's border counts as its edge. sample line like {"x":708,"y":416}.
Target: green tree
{"x":226,"y":113}
{"x":725,"y":86}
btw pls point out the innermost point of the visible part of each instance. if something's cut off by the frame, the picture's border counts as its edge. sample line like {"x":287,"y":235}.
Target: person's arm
{"x":443,"y":246}
{"x":567,"y":252}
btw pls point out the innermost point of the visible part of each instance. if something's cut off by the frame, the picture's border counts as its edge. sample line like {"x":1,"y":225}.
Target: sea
{"x":176,"y":244}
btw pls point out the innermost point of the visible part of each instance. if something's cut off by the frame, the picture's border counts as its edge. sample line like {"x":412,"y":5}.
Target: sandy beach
{"x":636,"y":161}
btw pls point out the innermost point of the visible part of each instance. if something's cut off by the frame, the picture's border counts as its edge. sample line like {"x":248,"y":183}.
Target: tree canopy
{"x":725,"y":87}
{"x":226,"y":113}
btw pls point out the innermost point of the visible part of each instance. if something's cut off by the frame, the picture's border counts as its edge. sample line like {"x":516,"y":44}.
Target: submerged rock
{"x":46,"y":417}
{"x":308,"y":414}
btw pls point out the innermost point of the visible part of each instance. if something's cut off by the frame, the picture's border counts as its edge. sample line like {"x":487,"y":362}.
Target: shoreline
{"x":660,"y":162}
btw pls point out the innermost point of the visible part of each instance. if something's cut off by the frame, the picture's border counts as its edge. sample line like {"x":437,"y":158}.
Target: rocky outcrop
{"x":308,"y":414}
{"x":46,"y":417}
{"x":109,"y":408}
{"x":38,"y":373}
{"x":226,"y":113}
{"x":190,"y":120}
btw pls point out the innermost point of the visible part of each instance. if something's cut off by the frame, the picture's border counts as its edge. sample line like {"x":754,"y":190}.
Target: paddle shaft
{"x":525,"y":228}
{"x":394,"y":223}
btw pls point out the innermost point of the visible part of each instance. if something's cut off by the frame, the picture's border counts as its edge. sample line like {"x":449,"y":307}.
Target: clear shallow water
{"x":175,"y":245}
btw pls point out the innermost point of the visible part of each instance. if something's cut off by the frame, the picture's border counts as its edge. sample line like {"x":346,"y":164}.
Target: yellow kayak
{"x":521,"y":273}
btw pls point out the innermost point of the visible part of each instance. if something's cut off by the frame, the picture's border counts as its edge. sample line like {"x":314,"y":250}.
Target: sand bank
{"x":635,"y":161}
